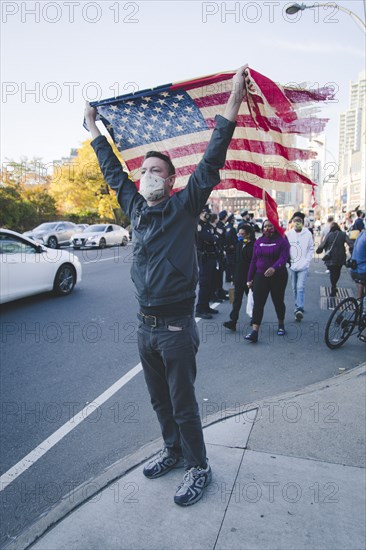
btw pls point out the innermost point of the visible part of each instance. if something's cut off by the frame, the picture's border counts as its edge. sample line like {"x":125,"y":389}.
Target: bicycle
{"x":346,"y":316}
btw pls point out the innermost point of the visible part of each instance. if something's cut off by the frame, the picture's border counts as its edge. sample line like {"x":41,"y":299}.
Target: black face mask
{"x":206,"y":216}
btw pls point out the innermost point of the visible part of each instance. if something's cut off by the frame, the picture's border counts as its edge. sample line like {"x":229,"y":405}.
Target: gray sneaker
{"x":193,"y":484}
{"x":299,"y":315}
{"x":162,"y":463}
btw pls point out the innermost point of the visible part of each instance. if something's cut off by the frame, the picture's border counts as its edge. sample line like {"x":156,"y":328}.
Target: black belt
{"x":154,"y":321}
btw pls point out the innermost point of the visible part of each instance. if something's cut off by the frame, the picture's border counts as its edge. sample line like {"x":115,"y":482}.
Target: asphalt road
{"x":59,"y":354}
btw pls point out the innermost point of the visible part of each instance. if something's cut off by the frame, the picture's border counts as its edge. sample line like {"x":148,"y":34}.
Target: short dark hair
{"x":334,"y":227}
{"x":359,"y":213}
{"x":298,"y":214}
{"x":165,"y":158}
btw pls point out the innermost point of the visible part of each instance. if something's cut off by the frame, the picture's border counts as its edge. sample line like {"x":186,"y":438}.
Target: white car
{"x":101,"y":235}
{"x":28,"y":268}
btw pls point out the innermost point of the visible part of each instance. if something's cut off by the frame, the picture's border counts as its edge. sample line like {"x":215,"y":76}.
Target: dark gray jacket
{"x":164,"y":267}
{"x":338,"y":254}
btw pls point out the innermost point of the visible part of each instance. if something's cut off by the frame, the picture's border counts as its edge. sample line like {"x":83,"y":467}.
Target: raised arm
{"x":90,"y":117}
{"x":239,"y":82}
{"x":110,"y":166}
{"x":207,"y":173}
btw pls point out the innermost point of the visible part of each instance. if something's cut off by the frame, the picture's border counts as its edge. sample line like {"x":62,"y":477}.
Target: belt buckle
{"x":154,"y":320}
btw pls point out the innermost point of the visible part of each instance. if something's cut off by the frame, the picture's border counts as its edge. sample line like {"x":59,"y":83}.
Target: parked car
{"x":101,"y":235}
{"x":27,"y":268}
{"x":53,"y":234}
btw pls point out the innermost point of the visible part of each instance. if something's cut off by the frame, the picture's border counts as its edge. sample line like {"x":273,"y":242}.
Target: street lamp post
{"x":294,"y":8}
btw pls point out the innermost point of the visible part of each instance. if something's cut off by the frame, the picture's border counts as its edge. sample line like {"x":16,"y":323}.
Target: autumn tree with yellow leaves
{"x":79,"y":188}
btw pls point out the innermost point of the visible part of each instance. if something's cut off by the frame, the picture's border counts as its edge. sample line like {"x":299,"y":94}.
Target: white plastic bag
{"x":250,"y":303}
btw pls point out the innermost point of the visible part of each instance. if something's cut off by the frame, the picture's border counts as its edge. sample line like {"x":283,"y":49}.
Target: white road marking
{"x":100,"y":260}
{"x":48,"y":443}
{"x":32,"y":457}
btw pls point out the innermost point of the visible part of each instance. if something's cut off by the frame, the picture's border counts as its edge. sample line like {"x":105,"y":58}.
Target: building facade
{"x":351,"y":190}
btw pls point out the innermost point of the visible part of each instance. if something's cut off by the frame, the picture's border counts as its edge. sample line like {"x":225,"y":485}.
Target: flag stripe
{"x":251,"y":147}
{"x":202,"y":82}
{"x":308,"y":126}
{"x":267,"y":173}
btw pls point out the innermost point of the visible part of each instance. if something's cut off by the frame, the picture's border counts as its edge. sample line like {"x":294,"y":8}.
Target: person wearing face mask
{"x":207,"y":241}
{"x":165,"y":274}
{"x":268,"y":275}
{"x":244,"y":252}
{"x":301,"y":253}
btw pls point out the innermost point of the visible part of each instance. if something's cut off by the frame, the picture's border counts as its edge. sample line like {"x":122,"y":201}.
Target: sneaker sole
{"x":199,"y":496}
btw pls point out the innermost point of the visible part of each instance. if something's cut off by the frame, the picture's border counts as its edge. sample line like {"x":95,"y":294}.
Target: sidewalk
{"x":288,"y":473}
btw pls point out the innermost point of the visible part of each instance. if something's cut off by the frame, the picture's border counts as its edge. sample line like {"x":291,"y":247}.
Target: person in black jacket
{"x":231,"y":241}
{"x":334,"y":244}
{"x":244,"y":253}
{"x":220,"y":293}
{"x":164,"y":272}
{"x":207,"y":241}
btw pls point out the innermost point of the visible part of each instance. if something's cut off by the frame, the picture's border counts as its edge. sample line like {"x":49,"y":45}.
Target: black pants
{"x":276,"y":286}
{"x":168,"y":357}
{"x":230,"y":267}
{"x":334,"y":274}
{"x":238,"y":300}
{"x":218,"y":290}
{"x":206,"y":280}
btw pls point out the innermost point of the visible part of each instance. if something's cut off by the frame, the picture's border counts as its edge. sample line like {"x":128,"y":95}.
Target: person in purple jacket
{"x":268,"y":274}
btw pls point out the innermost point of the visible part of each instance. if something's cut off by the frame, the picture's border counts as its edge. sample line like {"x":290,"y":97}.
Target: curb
{"x":130,"y":462}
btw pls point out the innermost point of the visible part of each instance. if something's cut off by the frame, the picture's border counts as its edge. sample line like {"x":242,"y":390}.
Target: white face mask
{"x":152,"y":187}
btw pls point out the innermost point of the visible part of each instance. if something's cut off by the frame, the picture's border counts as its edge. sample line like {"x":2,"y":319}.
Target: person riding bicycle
{"x":358,"y":263}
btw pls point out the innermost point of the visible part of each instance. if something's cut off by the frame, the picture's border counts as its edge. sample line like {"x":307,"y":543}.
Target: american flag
{"x":177,"y":119}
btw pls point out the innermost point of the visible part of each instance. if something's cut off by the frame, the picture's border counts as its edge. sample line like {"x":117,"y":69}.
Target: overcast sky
{"x":57,"y":54}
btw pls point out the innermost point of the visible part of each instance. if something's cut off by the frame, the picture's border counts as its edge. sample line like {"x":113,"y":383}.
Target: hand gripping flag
{"x":177,"y":119}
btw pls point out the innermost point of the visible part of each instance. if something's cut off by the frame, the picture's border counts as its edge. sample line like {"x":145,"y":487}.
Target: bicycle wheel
{"x":341,"y":323}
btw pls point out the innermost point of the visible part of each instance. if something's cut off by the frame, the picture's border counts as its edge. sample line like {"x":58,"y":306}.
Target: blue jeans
{"x":168,"y":357}
{"x":298,"y":279}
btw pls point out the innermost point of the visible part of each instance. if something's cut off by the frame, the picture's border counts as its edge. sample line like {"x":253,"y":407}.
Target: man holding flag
{"x":164,"y":272}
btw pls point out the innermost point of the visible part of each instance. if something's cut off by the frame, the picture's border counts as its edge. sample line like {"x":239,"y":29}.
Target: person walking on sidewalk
{"x":268,"y":275}
{"x":359,"y":224}
{"x":164,"y":272}
{"x":220,"y":293}
{"x":244,"y":253}
{"x":231,"y":241}
{"x":301,"y":253}
{"x":207,"y":242}
{"x":334,"y":244}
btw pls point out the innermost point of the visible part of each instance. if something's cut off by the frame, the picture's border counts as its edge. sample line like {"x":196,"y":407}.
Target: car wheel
{"x":124,"y":241}
{"x":65,"y":280}
{"x":102,"y":243}
{"x":52,"y":242}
